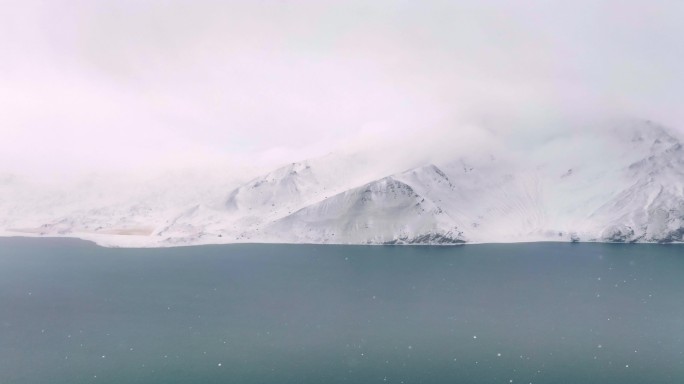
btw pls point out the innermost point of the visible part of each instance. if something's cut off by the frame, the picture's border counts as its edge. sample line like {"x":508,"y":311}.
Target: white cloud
{"x":120,"y":85}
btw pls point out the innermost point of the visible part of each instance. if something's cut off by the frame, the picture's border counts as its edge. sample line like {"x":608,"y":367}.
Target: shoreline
{"x":147,"y":242}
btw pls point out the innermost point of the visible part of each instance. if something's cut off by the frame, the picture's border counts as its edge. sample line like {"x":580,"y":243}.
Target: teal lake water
{"x":72,"y":312}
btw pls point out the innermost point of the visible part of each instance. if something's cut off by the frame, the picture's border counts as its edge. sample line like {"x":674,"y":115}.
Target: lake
{"x":72,"y":312}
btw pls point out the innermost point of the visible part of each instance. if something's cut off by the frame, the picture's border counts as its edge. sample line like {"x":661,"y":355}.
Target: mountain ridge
{"x":622,"y":184}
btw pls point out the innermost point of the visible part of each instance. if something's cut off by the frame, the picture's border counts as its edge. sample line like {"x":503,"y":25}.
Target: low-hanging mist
{"x":146,"y":88}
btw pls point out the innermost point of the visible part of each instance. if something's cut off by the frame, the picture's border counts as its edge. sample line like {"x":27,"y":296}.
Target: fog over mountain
{"x":184,"y":122}
{"x":618,"y":182}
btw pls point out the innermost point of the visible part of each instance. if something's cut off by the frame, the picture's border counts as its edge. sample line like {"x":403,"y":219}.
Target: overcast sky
{"x":117,"y":85}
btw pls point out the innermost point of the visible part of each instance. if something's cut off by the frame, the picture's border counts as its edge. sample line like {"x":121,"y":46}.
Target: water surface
{"x":72,"y":312}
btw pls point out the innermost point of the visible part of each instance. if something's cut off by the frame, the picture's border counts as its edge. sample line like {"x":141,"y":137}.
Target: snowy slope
{"x":652,"y":207}
{"x":623,"y":182}
{"x":384,"y":211}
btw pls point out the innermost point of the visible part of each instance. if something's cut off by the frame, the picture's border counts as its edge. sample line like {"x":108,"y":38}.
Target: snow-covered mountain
{"x":383,"y":211}
{"x":620,"y":183}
